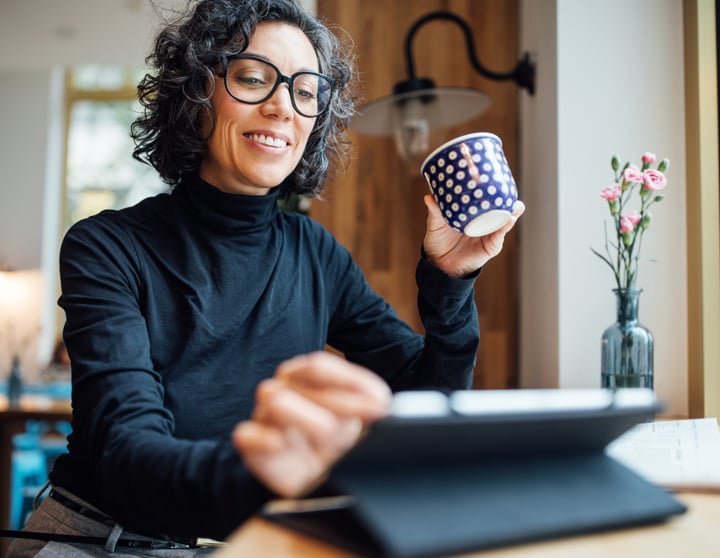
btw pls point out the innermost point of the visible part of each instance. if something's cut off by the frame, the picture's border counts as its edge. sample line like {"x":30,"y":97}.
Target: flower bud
{"x":645,"y":223}
{"x":647,"y":160}
{"x":648,"y":157}
{"x":663,"y":166}
{"x":659,"y":198}
{"x":615,"y":163}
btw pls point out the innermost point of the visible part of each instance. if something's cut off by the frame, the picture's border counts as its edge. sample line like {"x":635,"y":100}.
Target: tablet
{"x":458,"y":472}
{"x":430,"y":427}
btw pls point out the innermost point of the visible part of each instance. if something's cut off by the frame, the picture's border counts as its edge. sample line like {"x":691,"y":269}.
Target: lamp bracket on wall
{"x":523,"y":74}
{"x":417,"y":106}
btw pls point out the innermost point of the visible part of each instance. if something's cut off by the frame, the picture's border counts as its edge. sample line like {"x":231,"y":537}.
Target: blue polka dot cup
{"x":471,"y":181}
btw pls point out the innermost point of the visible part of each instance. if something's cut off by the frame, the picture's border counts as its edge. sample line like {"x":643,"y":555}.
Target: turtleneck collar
{"x":224,"y":212}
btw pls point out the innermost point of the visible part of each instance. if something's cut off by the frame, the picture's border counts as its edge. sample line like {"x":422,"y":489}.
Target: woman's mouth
{"x":267,"y":140}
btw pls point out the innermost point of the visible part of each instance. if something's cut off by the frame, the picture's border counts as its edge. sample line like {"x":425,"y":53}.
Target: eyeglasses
{"x":252,"y":80}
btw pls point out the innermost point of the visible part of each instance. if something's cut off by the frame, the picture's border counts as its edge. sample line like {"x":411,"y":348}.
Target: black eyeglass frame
{"x":281,"y":78}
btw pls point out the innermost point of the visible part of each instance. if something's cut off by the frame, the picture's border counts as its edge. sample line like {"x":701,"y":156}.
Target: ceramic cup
{"x":471,"y":181}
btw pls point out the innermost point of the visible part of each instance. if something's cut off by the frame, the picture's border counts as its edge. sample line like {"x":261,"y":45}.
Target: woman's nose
{"x":279,"y":104}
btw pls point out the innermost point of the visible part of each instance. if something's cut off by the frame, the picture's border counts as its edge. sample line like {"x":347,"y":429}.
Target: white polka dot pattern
{"x":470,"y":176}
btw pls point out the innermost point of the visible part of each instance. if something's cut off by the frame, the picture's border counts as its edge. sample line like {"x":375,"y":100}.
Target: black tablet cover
{"x":446,"y":474}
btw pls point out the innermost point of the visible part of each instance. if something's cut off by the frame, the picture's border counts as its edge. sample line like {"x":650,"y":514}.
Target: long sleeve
{"x":369,"y":332}
{"x":178,"y":307}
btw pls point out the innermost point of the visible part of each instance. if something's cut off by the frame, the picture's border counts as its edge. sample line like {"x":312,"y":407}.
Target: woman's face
{"x":253,"y":148}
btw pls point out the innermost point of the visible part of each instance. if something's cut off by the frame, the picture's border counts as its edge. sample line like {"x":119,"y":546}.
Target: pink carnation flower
{"x":628,"y":221}
{"x":634,"y":217}
{"x":626,"y":225}
{"x":632,"y":174}
{"x":631,"y":181}
{"x":648,"y":158}
{"x":654,"y":179}
{"x":611,"y":193}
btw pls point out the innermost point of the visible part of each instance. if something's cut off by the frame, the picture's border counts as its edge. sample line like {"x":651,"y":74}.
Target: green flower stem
{"x":625,"y":261}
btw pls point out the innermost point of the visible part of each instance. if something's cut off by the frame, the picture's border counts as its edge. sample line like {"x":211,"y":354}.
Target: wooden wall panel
{"x":375,"y":208}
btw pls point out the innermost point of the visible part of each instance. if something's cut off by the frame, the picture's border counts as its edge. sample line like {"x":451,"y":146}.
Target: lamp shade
{"x":442,"y":107}
{"x":411,"y":116}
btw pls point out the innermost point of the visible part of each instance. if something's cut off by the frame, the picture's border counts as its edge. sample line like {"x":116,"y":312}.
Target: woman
{"x":196,"y":320}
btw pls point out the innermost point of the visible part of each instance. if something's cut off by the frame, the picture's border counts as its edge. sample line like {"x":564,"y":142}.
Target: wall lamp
{"x":416,"y":106}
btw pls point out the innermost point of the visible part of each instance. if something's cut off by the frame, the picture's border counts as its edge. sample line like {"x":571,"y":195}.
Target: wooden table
{"x":12,"y":421}
{"x":695,"y":533}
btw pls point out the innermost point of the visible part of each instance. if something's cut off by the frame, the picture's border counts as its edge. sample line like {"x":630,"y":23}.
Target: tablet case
{"x":424,"y":486}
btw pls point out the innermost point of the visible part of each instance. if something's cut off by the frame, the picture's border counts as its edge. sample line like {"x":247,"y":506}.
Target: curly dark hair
{"x":187,"y":54}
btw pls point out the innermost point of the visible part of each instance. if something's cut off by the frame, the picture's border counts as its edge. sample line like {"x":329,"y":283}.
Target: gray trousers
{"x":53,"y":517}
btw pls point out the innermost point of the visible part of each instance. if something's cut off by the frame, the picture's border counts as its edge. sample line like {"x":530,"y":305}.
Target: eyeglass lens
{"x":251,"y":80}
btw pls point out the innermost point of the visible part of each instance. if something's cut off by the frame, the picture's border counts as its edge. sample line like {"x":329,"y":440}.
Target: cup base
{"x":487,"y":223}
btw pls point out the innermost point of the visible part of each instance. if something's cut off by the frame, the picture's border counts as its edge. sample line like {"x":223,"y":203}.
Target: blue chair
{"x":34,"y":453}
{"x":28,"y":474}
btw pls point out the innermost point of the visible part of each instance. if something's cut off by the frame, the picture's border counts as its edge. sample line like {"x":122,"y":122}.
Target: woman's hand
{"x":455,"y":253}
{"x":306,"y":417}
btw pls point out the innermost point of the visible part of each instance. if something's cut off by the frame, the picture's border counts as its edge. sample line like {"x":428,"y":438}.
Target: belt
{"x":148,"y":543}
{"x":82,"y":539}
{"x":77,"y":507}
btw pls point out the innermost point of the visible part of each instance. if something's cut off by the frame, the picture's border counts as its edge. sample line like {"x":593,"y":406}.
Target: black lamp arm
{"x":523,"y":74}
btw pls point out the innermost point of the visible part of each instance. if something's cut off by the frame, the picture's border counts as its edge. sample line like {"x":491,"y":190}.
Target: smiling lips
{"x":267,"y":140}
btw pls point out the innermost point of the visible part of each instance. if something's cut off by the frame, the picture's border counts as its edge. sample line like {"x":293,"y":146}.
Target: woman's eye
{"x":305,"y":89}
{"x":251,"y":80}
{"x":304,"y":94}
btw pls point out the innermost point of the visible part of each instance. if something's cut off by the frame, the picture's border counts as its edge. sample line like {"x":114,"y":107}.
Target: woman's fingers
{"x":258,"y":438}
{"x":285,"y":408}
{"x":332,"y":382}
{"x":283,"y":460}
{"x":306,"y":417}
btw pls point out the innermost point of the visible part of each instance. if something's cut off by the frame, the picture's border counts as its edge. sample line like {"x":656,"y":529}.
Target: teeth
{"x":268,"y":140}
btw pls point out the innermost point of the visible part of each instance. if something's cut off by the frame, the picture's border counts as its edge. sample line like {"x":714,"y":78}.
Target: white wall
{"x":610,"y":82}
{"x":29,"y":192}
{"x":23,"y":152}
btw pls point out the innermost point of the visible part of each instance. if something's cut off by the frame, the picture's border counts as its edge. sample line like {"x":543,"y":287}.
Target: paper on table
{"x":679,"y":455}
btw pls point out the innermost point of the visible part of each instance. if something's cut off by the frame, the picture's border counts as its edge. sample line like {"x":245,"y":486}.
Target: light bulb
{"x":412,"y":130}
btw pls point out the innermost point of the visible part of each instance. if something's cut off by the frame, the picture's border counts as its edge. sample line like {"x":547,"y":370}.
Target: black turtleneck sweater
{"x":177,"y":307}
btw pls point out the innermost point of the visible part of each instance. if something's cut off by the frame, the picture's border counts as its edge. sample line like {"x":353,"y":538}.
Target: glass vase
{"x":627,"y":346}
{"x":14,"y":383}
